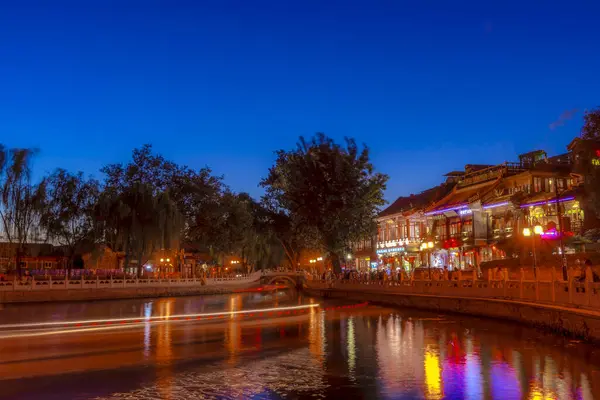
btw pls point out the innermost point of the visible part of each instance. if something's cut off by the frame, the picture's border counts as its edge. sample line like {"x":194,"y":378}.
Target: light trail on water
{"x":119,"y":323}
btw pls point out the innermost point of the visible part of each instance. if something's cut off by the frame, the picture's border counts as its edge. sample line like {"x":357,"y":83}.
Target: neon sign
{"x":596,"y":161}
{"x":541,"y":203}
{"x":390,"y":250}
{"x":465,"y":212}
{"x":454,"y":208}
{"x":487,"y":207}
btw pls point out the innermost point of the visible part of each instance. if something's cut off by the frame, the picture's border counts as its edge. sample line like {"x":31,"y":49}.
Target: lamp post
{"x":428,"y":246}
{"x":560,"y":231}
{"x":537,"y":230}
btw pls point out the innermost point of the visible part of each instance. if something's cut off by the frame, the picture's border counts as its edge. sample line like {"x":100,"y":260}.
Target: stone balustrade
{"x":573,"y":293}
{"x":34,"y":284}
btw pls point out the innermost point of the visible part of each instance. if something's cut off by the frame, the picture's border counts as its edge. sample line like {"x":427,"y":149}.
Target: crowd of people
{"x":579,"y":273}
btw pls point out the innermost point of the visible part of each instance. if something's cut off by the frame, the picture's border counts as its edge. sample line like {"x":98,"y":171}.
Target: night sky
{"x":428,"y":86}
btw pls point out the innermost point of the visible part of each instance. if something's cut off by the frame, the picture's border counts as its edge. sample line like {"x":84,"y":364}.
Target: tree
{"x":591,"y":124}
{"x":328,"y":189}
{"x":138,"y":222}
{"x":68,"y":211}
{"x":586,"y":152}
{"x":196,"y":194}
{"x":20,"y":199}
{"x":293,"y":237}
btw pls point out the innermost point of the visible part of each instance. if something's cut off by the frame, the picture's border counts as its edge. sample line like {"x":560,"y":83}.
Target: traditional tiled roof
{"x":460,"y":197}
{"x":417,"y":201}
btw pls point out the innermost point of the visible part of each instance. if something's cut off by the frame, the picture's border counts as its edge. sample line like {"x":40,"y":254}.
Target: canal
{"x":337,"y":350}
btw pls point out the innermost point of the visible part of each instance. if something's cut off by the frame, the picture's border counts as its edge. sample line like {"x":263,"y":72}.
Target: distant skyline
{"x":428,"y":86}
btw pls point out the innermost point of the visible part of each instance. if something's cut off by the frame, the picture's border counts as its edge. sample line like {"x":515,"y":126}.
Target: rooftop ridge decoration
{"x":493,"y":172}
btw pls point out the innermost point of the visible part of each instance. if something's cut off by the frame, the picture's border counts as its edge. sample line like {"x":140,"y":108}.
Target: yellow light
{"x":349,"y":256}
{"x":162,"y":260}
{"x":226,"y":269}
{"x":168,"y":260}
{"x":526,"y":232}
{"x":538,"y":230}
{"x":430,"y":245}
{"x":433,"y":374}
{"x":319,"y":258}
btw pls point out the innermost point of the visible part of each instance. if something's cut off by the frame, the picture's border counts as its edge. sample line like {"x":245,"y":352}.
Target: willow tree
{"x":68,"y":212}
{"x":329,"y":189}
{"x":20,"y":200}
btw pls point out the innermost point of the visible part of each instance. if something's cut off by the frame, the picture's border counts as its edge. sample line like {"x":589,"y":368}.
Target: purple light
{"x":551,"y":234}
{"x":540,"y":203}
{"x":443,"y":210}
{"x":504,"y":203}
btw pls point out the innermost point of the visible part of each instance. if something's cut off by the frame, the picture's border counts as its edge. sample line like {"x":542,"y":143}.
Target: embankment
{"x":577,"y":322}
{"x":35,"y":296}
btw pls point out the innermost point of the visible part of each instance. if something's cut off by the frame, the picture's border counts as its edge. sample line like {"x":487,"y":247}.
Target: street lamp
{"x":560,"y":228}
{"x":537,"y":230}
{"x":428,"y":245}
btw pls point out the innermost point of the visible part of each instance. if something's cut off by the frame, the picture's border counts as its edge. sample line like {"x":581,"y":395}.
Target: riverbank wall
{"x":575,"y":322}
{"x":89,"y":294}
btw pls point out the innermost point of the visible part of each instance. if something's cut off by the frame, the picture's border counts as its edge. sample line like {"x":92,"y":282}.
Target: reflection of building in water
{"x":395,"y":356}
{"x":164,"y":349}
{"x":453,"y":366}
{"x":233,"y":335}
{"x":351,"y":347}
{"x":233,"y":339}
{"x":147,"y":329}
{"x":473,"y":376}
{"x":433,"y":384}
{"x":316,"y":335}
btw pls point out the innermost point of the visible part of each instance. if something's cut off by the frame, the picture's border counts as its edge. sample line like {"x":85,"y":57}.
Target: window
{"x":454,"y":228}
{"x":537,"y":185}
{"x":549,"y":185}
{"x":560,"y":184}
{"x":467,"y":226}
{"x":393,"y":235}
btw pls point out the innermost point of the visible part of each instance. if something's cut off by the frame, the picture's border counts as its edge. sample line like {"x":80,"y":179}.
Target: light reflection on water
{"x":357,"y":353}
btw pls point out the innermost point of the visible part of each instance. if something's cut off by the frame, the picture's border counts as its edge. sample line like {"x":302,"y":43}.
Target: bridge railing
{"x":34,"y":284}
{"x":575,"y":292}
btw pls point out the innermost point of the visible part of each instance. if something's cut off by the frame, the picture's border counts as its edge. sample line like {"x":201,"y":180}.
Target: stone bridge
{"x":291,"y":278}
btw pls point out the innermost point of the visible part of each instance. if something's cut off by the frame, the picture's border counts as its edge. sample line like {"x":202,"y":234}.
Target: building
{"x":480,"y":214}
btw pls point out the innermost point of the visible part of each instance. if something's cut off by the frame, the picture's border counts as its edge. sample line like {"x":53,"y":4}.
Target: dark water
{"x":339,"y":353}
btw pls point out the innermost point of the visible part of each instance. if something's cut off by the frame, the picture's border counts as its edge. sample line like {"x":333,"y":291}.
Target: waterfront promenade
{"x":571,"y":306}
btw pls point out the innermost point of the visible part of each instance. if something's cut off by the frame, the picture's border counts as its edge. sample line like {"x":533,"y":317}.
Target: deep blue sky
{"x":429,"y":86}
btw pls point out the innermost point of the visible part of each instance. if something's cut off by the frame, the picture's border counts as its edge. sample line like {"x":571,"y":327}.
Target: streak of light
{"x":351,"y":343}
{"x":153,"y":319}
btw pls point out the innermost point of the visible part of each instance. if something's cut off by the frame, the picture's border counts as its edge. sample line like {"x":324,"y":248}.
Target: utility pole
{"x":560,"y":232}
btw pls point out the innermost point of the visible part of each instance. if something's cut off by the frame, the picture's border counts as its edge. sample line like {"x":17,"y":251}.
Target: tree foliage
{"x":327,"y":191}
{"x":591,"y":124}
{"x":68,"y":211}
{"x":587,"y":152}
{"x":20,"y":200}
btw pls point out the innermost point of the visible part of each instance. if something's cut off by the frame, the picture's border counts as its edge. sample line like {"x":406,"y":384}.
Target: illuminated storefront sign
{"x":390,"y":250}
{"x":444,"y":210}
{"x":596,"y":161}
{"x":465,"y":212}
